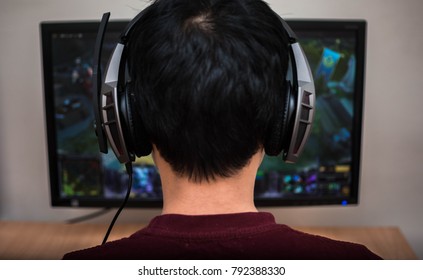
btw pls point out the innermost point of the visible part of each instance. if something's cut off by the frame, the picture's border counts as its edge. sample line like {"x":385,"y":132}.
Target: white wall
{"x":391,"y":190}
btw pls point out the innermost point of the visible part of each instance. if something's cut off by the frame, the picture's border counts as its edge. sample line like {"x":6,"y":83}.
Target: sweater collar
{"x":210,"y":223}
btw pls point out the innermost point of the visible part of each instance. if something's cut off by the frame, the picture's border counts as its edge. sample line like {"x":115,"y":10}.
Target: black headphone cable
{"x":128,"y":166}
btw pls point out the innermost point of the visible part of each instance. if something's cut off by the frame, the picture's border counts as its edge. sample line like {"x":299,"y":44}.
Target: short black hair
{"x":209,"y":79}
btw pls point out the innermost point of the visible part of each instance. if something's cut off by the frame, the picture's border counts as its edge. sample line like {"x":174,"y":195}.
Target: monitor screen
{"x":327,"y":172}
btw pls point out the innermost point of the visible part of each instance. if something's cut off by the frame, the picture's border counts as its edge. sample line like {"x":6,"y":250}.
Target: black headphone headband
{"x":114,"y":104}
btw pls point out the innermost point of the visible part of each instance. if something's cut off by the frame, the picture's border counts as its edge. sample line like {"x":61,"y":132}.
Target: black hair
{"x":209,"y":77}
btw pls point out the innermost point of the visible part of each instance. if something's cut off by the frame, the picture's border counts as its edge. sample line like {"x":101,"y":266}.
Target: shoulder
{"x":135,"y":246}
{"x":243,"y":236}
{"x":110,"y":250}
{"x":301,"y":245}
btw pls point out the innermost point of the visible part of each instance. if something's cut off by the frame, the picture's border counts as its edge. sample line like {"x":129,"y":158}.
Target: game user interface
{"x":326,"y":173}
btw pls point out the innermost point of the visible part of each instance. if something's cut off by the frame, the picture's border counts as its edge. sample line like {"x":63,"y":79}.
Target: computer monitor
{"x":326,"y":174}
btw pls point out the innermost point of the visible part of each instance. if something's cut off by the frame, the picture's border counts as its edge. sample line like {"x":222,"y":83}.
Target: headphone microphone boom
{"x":97,"y":83}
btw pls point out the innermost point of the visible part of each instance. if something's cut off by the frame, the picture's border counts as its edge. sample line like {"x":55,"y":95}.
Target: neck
{"x":220,"y":196}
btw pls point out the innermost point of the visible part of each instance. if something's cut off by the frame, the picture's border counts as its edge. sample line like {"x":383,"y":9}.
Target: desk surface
{"x":29,"y":240}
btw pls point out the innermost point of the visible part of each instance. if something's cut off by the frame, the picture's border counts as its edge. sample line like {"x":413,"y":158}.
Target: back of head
{"x":209,"y":78}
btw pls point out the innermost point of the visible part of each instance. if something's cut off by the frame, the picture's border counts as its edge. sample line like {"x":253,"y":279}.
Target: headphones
{"x":117,"y":121}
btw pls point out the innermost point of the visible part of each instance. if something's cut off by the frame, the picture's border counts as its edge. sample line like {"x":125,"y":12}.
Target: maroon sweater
{"x":231,"y":236}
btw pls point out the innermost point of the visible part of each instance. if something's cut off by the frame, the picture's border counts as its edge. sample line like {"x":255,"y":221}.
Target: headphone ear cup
{"x":277,"y":131}
{"x":139,"y":143}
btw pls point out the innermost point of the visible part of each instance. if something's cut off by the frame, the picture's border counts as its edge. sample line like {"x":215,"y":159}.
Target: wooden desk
{"x":29,"y":240}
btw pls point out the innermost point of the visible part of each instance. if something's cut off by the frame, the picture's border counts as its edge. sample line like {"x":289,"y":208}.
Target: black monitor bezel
{"x":48,"y":28}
